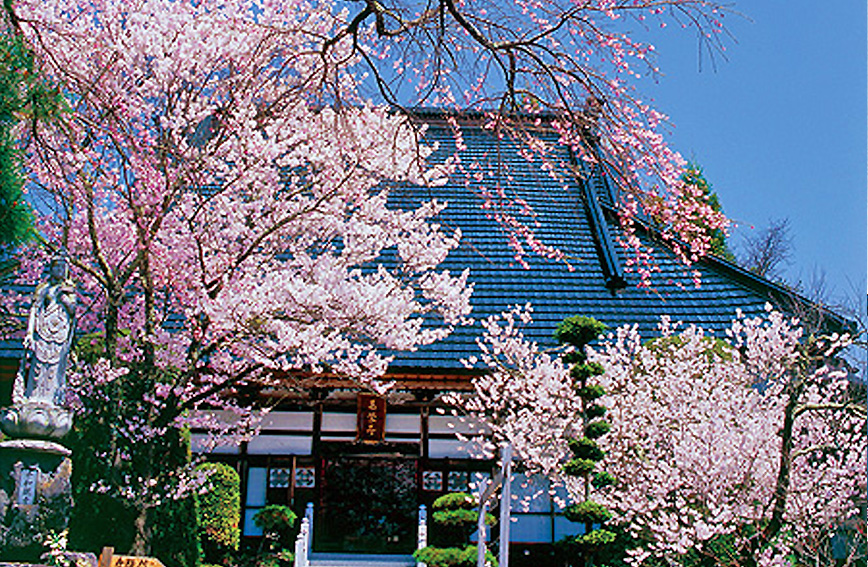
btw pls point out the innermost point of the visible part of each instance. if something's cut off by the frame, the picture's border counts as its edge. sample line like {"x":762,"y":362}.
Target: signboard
{"x":108,"y":559}
{"x":370,"y":418}
{"x":130,"y":561}
{"x":27,"y":480}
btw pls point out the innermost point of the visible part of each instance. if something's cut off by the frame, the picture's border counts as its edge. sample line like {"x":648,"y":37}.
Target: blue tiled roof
{"x":563,"y":221}
{"x":551,"y":287}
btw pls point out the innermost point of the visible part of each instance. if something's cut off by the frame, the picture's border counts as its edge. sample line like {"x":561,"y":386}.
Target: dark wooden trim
{"x":378,"y":450}
{"x":423,"y":416}
{"x":243,"y":471}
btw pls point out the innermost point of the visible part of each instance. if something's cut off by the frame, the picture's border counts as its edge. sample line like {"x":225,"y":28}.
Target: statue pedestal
{"x":35,"y":495}
{"x":35,"y":420}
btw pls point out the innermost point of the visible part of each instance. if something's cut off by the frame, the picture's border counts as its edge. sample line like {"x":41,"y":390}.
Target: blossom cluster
{"x":217,"y":183}
{"x":699,"y":434}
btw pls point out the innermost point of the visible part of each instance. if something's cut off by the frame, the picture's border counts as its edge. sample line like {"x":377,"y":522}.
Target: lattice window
{"x":457,"y":481}
{"x":432,"y":480}
{"x":305,"y":477}
{"x":278,"y":478}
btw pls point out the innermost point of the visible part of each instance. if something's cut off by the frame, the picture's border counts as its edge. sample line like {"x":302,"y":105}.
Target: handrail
{"x":422,"y":533}
{"x":304,"y":539}
{"x":308,"y":514}
{"x":301,"y":549}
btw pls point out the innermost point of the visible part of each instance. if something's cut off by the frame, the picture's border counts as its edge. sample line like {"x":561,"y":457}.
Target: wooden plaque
{"x":371,"y":418}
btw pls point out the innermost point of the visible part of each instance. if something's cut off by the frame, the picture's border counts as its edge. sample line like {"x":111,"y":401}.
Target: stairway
{"x":360,"y":560}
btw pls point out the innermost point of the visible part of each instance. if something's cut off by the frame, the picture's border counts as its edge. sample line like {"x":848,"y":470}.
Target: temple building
{"x":367,"y":463}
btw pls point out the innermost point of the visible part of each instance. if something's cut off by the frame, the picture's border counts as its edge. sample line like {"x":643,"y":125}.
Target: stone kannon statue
{"x":40,"y":387}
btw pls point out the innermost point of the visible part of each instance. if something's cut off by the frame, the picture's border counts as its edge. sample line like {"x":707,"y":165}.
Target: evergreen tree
{"x":24,"y":96}
{"x":16,"y":219}
{"x":15,"y":66}
{"x":455,"y":519}
{"x":693,"y":175}
{"x":578,"y":332}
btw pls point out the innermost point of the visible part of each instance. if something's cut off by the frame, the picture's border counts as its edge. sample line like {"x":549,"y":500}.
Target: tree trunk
{"x":752,"y":546}
{"x":142,"y":542}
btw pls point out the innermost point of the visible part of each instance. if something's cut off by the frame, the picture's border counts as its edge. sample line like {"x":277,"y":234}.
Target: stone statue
{"x":42,"y":374}
{"x":35,"y":469}
{"x":40,"y":386}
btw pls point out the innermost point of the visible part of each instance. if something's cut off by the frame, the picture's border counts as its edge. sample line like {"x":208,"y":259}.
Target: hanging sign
{"x":371,"y":418}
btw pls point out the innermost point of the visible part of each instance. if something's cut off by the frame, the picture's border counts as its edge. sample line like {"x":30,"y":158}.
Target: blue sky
{"x":780,"y":126}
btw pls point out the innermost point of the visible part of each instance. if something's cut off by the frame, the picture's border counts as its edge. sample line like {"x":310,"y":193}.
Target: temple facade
{"x":367,"y":463}
{"x":367,"y":466}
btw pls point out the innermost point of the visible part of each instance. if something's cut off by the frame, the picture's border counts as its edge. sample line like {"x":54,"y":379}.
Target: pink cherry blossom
{"x":708,"y":435}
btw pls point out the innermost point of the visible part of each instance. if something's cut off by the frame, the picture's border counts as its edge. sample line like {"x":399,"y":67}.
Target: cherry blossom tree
{"x":759,"y":438}
{"x":224,"y":218}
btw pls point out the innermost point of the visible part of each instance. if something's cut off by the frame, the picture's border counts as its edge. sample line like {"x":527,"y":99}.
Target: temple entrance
{"x":367,"y":505}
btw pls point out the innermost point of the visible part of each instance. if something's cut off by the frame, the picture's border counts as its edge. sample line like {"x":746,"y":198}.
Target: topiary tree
{"x":276,"y":521}
{"x":455,"y":516}
{"x":578,"y":332}
{"x":219,"y":512}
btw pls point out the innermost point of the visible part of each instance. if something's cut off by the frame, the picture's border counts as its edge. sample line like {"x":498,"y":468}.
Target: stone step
{"x":360,"y":560}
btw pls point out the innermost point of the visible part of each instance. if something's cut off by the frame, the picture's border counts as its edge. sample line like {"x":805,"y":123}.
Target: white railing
{"x":301,"y":548}
{"x":308,"y":514}
{"x":422,"y":533}
{"x":304,"y":539}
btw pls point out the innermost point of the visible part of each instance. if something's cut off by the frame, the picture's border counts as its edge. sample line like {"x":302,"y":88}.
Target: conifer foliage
{"x":16,"y":67}
{"x":694,"y":178}
{"x":219,"y":511}
{"x":455,"y":519}
{"x":26,"y":98}
{"x":577,"y":332}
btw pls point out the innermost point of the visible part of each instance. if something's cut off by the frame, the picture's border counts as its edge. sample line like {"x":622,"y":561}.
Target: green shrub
{"x":451,"y":556}
{"x":587,"y":512}
{"x":578,"y":331}
{"x":602,"y":479}
{"x":469,"y":555}
{"x":175,"y":533}
{"x":595,"y":410}
{"x":84,"y":533}
{"x":597,"y":538}
{"x":581,"y":372}
{"x":455,"y":518}
{"x":438,"y":556}
{"x":591,"y":392}
{"x":455,"y":501}
{"x":579,"y":467}
{"x":715,"y":349}
{"x":584,"y":448}
{"x":219,"y":511}
{"x":277,"y":522}
{"x":597,"y":429}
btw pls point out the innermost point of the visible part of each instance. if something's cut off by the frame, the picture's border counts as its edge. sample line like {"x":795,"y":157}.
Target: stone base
{"x":35,"y":495}
{"x":31,"y":420}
